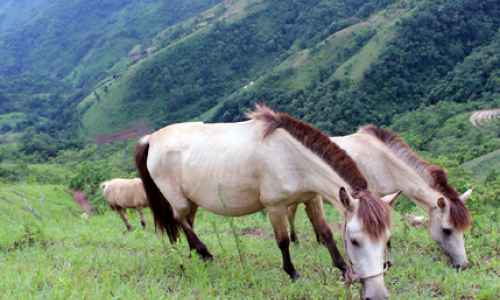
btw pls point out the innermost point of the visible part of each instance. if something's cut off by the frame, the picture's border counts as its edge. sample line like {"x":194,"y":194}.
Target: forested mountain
{"x":85,"y":38}
{"x":420,"y":67}
{"x":14,"y":13}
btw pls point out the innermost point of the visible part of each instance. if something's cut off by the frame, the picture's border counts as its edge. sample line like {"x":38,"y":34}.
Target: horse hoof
{"x":295,"y":277}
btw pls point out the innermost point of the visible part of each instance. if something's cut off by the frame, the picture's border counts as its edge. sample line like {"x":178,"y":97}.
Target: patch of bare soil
{"x":124,"y":135}
{"x":248,"y":231}
{"x":81,"y":199}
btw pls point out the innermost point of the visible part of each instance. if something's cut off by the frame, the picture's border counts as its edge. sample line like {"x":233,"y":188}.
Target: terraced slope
{"x":156,"y":91}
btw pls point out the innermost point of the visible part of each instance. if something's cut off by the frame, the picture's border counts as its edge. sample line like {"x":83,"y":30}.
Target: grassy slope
{"x":99,"y":120}
{"x":482,"y":165}
{"x":305,"y":64}
{"x":58,"y":203}
{"x":15,"y":12}
{"x":99,"y":259}
{"x":385,"y":22}
{"x":81,"y":38}
{"x":12,"y":118}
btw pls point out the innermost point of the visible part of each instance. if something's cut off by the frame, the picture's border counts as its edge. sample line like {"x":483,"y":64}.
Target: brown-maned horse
{"x":272,"y":161}
{"x":389,"y":165}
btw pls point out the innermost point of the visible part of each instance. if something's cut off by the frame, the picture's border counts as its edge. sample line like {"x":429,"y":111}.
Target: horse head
{"x":447,"y":222}
{"x":366,"y":236}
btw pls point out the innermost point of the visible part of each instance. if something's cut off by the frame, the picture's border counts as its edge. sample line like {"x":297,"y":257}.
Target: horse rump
{"x":162,"y":211}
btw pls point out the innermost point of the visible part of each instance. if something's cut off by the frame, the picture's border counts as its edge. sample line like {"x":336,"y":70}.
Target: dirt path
{"x":80,"y":197}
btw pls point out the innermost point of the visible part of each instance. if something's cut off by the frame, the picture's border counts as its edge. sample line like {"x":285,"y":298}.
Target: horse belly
{"x":240,"y":196}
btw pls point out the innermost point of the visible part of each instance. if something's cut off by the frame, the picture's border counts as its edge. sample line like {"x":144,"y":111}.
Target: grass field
{"x":99,"y":259}
{"x":58,"y":203}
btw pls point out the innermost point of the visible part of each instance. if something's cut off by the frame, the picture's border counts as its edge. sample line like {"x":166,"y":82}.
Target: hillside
{"x":14,"y":13}
{"x":190,"y":76}
{"x":85,"y":38}
{"x":336,"y":68}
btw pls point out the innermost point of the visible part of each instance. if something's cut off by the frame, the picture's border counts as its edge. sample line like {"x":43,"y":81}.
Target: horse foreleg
{"x":123,"y":214}
{"x":292,"y":211}
{"x":141,"y":215}
{"x":317,"y":216}
{"x":195,"y":242}
{"x":277,"y":216}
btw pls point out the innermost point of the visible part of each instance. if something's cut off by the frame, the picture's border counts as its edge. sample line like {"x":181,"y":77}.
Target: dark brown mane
{"x":374,"y":212}
{"x":460,"y":216}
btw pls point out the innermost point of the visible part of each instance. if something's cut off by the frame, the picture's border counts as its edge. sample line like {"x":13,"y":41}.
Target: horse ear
{"x":345,"y":199}
{"x":391,"y":199}
{"x":441,"y":203}
{"x":466,"y":195}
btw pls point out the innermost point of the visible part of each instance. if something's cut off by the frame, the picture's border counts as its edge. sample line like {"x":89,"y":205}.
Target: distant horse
{"x":125,"y":193}
{"x":272,"y":162}
{"x":389,"y":165}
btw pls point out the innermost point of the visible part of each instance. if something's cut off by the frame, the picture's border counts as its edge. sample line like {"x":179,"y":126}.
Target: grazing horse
{"x":389,"y":165}
{"x":271,"y":161}
{"x":125,"y":193}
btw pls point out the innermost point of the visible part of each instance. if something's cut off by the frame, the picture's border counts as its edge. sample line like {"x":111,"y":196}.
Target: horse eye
{"x":447,"y":231}
{"x":354,"y":242}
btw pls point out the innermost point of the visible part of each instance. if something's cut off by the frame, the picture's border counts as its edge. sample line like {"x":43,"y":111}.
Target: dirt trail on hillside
{"x":484,"y":115}
{"x":80,"y":197}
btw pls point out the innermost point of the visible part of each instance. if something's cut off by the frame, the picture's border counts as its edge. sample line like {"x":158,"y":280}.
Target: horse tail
{"x":162,"y":211}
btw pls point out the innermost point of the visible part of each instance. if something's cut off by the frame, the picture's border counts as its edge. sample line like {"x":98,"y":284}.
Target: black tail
{"x":162,"y":211}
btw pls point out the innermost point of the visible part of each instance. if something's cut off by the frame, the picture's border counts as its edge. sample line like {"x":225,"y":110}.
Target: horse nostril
{"x":367,"y":299}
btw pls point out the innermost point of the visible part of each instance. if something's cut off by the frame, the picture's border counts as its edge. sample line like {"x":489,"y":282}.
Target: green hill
{"x":85,"y":38}
{"x":242,"y":43}
{"x":335,"y":64}
{"x":484,"y":165}
{"x":14,"y":13}
{"x":58,"y":203}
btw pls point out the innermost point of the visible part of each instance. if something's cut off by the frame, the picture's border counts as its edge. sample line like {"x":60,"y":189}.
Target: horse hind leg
{"x":277,"y":216}
{"x":310,"y":215}
{"x":317,"y":216}
{"x":194,"y":242}
{"x":123,"y":214}
{"x":141,"y":216}
{"x":192,"y":213}
{"x":182,"y":208}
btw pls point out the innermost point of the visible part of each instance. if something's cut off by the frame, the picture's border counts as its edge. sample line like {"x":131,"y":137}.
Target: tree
{"x":89,"y":174}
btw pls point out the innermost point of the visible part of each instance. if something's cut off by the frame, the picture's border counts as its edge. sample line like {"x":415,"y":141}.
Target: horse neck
{"x":386,"y":172}
{"x":319,"y":177}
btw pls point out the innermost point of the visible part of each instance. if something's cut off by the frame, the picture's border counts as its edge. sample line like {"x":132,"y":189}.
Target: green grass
{"x":12,"y":118}
{"x":58,"y":203}
{"x":482,"y":165}
{"x":99,"y":259}
{"x":356,"y":66}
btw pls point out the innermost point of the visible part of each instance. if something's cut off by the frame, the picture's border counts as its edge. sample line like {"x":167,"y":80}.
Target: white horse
{"x":389,"y":165}
{"x":272,"y":161}
{"x":123,"y":194}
